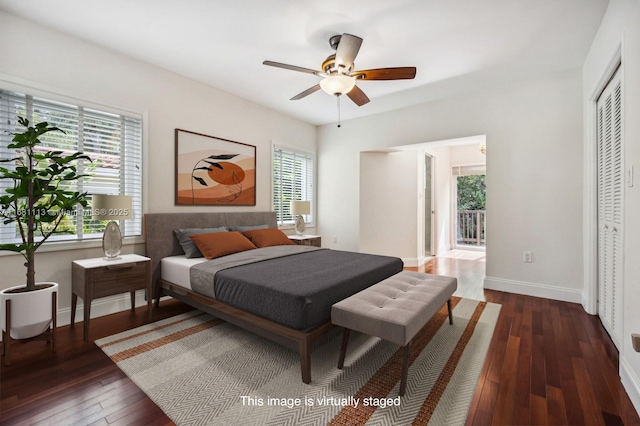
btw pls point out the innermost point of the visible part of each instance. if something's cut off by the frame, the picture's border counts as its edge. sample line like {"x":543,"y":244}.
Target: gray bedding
{"x":292,"y":285}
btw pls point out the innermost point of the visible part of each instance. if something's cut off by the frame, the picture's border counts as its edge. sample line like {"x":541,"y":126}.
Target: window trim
{"x":39,"y":90}
{"x":296,"y":150}
{"x":57,"y":246}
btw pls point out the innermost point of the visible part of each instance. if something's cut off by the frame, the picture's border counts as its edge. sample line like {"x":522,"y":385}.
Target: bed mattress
{"x":175,"y":269}
{"x":295,"y":289}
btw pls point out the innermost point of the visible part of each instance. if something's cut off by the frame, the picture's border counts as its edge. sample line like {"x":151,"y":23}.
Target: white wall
{"x":389,"y":198}
{"x":47,"y":61}
{"x":534,"y":136}
{"x":467,"y":155}
{"x":619,"y":32}
{"x":392,"y":202}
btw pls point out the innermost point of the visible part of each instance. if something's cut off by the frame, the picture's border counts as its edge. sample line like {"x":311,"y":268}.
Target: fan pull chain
{"x":338,"y":96}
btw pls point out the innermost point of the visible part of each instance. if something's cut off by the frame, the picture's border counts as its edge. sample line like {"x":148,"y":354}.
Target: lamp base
{"x":300,"y":226}
{"x":112,"y":241}
{"x":112,"y":258}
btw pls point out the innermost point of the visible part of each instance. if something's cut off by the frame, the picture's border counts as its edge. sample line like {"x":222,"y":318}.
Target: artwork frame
{"x":212,"y":171}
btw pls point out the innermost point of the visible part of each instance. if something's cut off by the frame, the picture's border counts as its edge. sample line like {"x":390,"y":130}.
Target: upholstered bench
{"x":394,"y":309}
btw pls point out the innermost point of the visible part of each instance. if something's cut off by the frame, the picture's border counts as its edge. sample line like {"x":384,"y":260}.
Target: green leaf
{"x":41,"y":174}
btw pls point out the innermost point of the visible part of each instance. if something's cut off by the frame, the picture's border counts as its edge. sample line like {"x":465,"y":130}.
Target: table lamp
{"x":111,"y":208}
{"x":299,"y":208}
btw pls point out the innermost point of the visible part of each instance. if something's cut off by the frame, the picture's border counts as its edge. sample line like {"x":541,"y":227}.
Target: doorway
{"x":469,"y":207}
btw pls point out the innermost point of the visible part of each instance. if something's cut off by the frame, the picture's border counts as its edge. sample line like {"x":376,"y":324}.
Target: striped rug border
{"x":430,"y":404}
{"x":386,"y":378}
{"x":175,"y":321}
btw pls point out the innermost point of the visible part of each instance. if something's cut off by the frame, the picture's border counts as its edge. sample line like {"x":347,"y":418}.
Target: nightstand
{"x":306,"y":240}
{"x":95,"y":278}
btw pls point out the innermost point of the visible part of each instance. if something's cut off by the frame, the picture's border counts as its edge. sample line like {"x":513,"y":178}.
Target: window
{"x":292,"y":181}
{"x":112,"y":141}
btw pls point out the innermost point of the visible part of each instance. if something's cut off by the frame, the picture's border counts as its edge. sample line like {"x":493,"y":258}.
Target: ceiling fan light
{"x":337,"y":84}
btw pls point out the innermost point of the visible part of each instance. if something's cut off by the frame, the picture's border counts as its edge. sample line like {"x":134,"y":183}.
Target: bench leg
{"x":450,"y":311}
{"x":343,"y":348}
{"x":405,"y":370}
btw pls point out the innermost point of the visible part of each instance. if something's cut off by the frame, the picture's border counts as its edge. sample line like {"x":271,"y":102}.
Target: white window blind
{"x":293,"y":175}
{"x":112,"y":141}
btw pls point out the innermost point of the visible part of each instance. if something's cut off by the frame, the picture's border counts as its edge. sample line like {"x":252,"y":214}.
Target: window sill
{"x":52,"y":246}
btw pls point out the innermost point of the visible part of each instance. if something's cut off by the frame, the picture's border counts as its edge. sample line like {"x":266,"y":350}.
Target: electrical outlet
{"x":526,"y":256}
{"x":335,"y":238}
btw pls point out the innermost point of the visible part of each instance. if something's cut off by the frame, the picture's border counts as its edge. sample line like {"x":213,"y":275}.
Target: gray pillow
{"x":247,"y":228}
{"x":188,"y":246}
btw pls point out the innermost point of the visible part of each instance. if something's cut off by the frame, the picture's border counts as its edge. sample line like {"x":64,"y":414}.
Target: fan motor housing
{"x":329,"y":66}
{"x":334,"y":41}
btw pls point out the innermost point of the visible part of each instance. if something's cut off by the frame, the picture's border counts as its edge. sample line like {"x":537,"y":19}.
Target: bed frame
{"x":160,"y":243}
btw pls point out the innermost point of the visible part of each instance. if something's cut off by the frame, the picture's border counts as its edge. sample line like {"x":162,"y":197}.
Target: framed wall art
{"x":214,"y":171}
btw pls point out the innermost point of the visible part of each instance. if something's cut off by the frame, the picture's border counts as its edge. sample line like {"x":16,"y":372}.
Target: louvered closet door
{"x":610,"y":202}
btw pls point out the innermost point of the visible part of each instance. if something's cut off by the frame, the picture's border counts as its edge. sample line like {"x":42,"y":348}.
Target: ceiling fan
{"x":339,"y":78}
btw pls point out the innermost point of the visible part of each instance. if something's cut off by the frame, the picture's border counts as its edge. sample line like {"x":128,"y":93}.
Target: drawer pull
{"x":122,"y":266}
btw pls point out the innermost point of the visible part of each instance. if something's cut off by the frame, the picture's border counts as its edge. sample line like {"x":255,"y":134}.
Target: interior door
{"x":610,"y":207}
{"x":428,"y":205}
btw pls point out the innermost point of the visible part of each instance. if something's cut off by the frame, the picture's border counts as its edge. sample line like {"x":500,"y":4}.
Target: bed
{"x":283,"y":293}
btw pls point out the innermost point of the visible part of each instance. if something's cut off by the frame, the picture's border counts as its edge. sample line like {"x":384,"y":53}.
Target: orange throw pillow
{"x":221,"y":243}
{"x":268,"y":237}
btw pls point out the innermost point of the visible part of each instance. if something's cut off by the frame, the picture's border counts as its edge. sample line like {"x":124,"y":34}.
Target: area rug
{"x":202,"y":371}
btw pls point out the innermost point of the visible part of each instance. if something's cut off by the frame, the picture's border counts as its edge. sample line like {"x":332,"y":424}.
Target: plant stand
{"x":49,"y":335}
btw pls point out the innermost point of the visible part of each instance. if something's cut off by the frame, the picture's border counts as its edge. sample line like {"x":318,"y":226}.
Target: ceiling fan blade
{"x":400,"y":73}
{"x":357,"y":96}
{"x":292,"y":67}
{"x":347,"y":50}
{"x":306,"y":92}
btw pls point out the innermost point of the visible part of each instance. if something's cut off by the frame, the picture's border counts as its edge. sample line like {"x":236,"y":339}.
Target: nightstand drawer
{"x":118,"y":278}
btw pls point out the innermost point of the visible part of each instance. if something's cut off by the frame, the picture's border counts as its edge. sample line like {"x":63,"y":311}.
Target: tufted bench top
{"x":396,"y":308}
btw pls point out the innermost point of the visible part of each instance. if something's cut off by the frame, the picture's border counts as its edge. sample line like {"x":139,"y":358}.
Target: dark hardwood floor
{"x":548,"y":363}
{"x":79,"y":384}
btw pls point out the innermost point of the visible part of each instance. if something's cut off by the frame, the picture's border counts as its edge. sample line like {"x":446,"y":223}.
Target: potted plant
{"x":36,"y":202}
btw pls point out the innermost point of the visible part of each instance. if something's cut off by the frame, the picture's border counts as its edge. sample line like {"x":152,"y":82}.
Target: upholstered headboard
{"x":161,"y":242}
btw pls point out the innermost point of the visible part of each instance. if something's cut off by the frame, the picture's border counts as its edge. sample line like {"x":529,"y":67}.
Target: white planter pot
{"x":30,"y":311}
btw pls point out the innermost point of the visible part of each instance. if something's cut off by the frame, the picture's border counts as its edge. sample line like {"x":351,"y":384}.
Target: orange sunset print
{"x":213,"y":176}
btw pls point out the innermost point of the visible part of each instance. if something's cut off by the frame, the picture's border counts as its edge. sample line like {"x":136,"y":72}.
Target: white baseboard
{"x":414,"y":262}
{"x":411,"y":261}
{"x":533,"y":289}
{"x":101,"y":307}
{"x":588,"y":305}
{"x":630,"y":382}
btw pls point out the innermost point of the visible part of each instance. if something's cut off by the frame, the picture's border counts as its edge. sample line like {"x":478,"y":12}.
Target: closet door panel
{"x":610,"y":208}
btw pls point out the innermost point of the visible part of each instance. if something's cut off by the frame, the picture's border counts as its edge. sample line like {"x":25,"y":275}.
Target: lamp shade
{"x":300,"y":207}
{"x":337,"y":84}
{"x":111,"y":207}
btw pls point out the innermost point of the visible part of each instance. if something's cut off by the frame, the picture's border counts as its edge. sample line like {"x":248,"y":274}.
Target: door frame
{"x":590,"y":186}
{"x":432,"y":212}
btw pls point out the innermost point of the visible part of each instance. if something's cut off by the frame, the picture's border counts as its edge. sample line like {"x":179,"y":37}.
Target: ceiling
{"x":456,"y":45}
